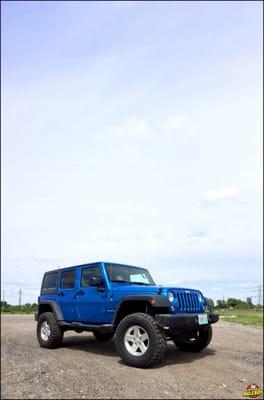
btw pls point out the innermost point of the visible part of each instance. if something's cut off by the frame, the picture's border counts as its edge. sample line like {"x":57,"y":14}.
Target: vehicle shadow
{"x":175,"y":356}
{"x":172,"y":356}
{"x":90,"y":345}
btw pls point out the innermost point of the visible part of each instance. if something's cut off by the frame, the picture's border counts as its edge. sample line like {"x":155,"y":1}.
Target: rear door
{"x":66,"y":293}
{"x":90,"y":301}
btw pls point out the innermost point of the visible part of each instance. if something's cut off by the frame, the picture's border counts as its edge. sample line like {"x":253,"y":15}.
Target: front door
{"x":67,"y":294}
{"x":90,"y":301}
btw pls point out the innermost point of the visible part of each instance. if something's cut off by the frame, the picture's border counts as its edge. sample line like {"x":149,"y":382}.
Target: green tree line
{"x":236,"y":303}
{"x":24,"y":308}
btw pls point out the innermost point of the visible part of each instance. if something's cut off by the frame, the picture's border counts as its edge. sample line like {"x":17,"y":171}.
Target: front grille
{"x":188,"y":301}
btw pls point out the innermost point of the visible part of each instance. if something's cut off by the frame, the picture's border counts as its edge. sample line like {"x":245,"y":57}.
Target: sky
{"x":132,"y":133}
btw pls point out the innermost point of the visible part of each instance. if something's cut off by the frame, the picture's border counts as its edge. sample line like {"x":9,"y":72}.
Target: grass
{"x":245,"y":317}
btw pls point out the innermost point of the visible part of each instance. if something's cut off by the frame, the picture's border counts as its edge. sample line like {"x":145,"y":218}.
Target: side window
{"x":87,"y":274}
{"x":68,"y":279}
{"x":49,"y":284}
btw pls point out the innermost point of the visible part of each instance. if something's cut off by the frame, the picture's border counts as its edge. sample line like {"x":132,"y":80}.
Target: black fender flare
{"x":55,"y":307}
{"x":155,"y":301}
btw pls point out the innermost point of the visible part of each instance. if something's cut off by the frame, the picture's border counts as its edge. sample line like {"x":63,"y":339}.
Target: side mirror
{"x":97,"y":281}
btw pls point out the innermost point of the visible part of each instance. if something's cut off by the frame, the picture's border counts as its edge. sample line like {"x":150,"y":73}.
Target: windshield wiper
{"x":117,"y":281}
{"x":141,"y":283}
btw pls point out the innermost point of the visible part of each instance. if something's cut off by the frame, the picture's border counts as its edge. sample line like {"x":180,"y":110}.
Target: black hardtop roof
{"x":90,"y":264}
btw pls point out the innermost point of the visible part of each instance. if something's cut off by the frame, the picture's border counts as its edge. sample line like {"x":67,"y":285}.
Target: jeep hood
{"x":185,"y":300}
{"x":148,"y":290}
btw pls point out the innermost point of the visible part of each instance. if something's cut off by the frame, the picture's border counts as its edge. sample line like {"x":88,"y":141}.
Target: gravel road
{"x":84,"y":368}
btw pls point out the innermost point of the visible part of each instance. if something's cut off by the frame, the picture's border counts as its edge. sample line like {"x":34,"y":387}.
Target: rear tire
{"x":102,"y":337}
{"x":196,"y":344}
{"x":139,"y":340}
{"x":49,"y":333}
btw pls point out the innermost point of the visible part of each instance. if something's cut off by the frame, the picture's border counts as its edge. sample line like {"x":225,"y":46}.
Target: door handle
{"x":60,"y":294}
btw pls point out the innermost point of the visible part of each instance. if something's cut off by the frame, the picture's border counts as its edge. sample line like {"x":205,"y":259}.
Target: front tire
{"x":196,"y":342}
{"x":49,"y":333}
{"x":139,"y":340}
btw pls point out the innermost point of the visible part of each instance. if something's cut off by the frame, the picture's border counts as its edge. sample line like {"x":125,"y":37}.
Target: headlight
{"x":171,"y":296}
{"x":200,"y":298}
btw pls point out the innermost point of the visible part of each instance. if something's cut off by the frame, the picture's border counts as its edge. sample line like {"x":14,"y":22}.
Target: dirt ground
{"x":84,"y":368}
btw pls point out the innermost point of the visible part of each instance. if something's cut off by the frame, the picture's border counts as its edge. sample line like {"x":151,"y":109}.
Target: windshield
{"x":126,"y":274}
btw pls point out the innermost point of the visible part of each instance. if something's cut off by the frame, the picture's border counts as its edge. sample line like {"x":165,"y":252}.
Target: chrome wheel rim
{"x":136,"y":340}
{"x":45,"y":331}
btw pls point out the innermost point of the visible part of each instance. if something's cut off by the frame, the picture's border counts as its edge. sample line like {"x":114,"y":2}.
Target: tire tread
{"x":161,"y":340}
{"x":56,"y":332}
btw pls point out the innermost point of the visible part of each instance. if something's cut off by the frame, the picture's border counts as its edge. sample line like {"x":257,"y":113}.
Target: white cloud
{"x":153,"y":213}
{"x":216,"y":289}
{"x":175,"y":123}
{"x":137,"y":128}
{"x":247,"y":285}
{"x":133,"y":128}
{"x":198,"y":233}
{"x":215,"y":196}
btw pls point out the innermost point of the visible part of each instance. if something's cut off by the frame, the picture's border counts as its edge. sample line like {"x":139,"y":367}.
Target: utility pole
{"x":258,"y":295}
{"x":20,"y":297}
{"x":3,"y":299}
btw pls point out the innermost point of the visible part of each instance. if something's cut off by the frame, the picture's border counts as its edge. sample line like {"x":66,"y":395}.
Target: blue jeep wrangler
{"x":113,"y":299}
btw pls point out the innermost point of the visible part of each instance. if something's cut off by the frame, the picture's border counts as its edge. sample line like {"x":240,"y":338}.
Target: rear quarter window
{"x":49,"y":284}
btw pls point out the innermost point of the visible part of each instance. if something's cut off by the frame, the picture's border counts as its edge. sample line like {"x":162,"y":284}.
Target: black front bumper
{"x":184,"y":320}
